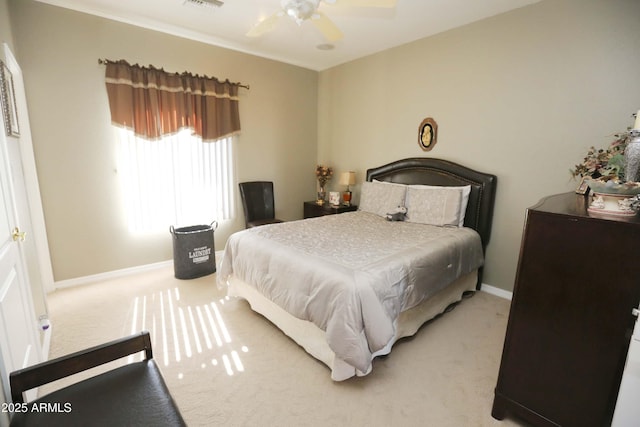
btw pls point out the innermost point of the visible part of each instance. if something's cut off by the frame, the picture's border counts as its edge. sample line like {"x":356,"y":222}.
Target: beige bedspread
{"x":350,"y":274}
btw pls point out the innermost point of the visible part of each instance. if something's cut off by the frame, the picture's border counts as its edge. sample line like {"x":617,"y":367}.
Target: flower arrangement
{"x":323,"y":174}
{"x":604,"y":164}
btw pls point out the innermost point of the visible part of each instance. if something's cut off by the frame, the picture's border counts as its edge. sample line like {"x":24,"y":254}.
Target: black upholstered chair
{"x":258,"y":204}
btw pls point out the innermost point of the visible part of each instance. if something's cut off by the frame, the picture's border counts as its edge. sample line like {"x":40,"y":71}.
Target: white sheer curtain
{"x":177,"y":180}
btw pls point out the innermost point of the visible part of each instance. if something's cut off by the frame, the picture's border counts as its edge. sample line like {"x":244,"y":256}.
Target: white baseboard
{"x":496,"y":291}
{"x":110,"y":275}
{"x":118,"y":273}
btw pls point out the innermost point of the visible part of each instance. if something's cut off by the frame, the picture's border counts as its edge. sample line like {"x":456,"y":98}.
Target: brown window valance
{"x":154,"y":103}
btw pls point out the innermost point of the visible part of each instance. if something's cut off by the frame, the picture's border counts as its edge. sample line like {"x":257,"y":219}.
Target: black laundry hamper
{"x":194,"y":253}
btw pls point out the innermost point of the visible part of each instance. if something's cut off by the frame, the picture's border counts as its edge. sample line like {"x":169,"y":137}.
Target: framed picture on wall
{"x":428,"y":134}
{"x":8,"y":99}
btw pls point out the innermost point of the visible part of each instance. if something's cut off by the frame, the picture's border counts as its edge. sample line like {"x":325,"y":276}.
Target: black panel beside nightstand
{"x":312,"y":209}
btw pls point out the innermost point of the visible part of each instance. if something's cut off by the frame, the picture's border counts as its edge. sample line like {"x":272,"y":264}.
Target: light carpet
{"x":228,"y":366}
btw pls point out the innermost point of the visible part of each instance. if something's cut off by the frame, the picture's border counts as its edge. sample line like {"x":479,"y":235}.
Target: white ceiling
{"x":366,"y":30}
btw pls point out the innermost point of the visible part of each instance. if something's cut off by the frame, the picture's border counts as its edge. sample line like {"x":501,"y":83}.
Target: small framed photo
{"x":583,"y":187}
{"x":428,"y":134}
{"x":8,"y":100}
{"x":334,"y":198}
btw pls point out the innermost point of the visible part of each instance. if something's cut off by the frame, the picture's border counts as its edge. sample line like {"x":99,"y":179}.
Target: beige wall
{"x":521,"y":95}
{"x":5,"y":25}
{"x":74,"y":143}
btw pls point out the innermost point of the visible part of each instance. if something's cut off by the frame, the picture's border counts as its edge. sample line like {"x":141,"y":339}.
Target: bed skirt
{"x":313,"y":339}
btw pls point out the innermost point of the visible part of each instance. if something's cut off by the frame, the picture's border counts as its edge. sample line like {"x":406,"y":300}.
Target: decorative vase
{"x":632,"y":157}
{"x":321,"y":196}
{"x":611,"y":204}
{"x":613,"y":198}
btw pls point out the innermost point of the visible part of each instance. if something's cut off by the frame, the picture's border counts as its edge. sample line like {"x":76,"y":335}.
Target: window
{"x":176,"y":180}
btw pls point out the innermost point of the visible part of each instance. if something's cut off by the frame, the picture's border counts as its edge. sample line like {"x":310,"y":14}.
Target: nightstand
{"x":312,"y":209}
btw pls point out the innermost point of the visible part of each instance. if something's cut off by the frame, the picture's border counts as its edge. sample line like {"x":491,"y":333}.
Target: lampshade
{"x":347,"y":178}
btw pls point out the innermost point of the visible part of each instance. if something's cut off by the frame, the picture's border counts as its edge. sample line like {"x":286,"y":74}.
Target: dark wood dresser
{"x":570,"y":323}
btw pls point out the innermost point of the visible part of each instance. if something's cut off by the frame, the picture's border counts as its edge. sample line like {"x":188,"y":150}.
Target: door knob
{"x":17,"y":235}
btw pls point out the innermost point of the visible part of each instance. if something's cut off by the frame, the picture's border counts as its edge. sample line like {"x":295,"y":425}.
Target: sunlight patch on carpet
{"x":181,"y":330}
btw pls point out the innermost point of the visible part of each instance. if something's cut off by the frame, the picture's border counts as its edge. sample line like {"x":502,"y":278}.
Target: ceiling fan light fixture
{"x":300,"y":10}
{"x":203,"y":3}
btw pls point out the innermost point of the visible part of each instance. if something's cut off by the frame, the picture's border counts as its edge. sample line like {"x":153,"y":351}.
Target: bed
{"x":347,"y":287}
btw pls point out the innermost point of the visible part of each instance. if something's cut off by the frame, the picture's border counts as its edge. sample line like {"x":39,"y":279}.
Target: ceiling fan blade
{"x":264,"y":26}
{"x":365,"y":3}
{"x":326,"y":27}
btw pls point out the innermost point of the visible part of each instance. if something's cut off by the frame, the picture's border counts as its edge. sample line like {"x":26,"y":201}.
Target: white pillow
{"x":466,"y":190}
{"x":381,"y":198}
{"x":435,"y":205}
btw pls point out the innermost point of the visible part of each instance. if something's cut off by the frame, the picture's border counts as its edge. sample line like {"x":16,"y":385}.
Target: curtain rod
{"x":106,"y":61}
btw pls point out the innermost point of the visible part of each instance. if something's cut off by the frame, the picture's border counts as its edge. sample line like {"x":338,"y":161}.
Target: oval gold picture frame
{"x":428,"y":134}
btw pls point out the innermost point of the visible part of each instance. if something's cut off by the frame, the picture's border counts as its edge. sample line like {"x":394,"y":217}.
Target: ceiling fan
{"x":307,"y":10}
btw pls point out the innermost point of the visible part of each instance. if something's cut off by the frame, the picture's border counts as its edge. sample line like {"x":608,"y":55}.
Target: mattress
{"x":351,"y":275}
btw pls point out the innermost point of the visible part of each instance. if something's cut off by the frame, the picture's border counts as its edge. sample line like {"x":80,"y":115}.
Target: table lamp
{"x":347,"y":178}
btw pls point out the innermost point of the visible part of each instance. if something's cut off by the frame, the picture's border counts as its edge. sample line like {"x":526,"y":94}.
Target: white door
{"x":26,"y":190}
{"x":19,"y":336}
